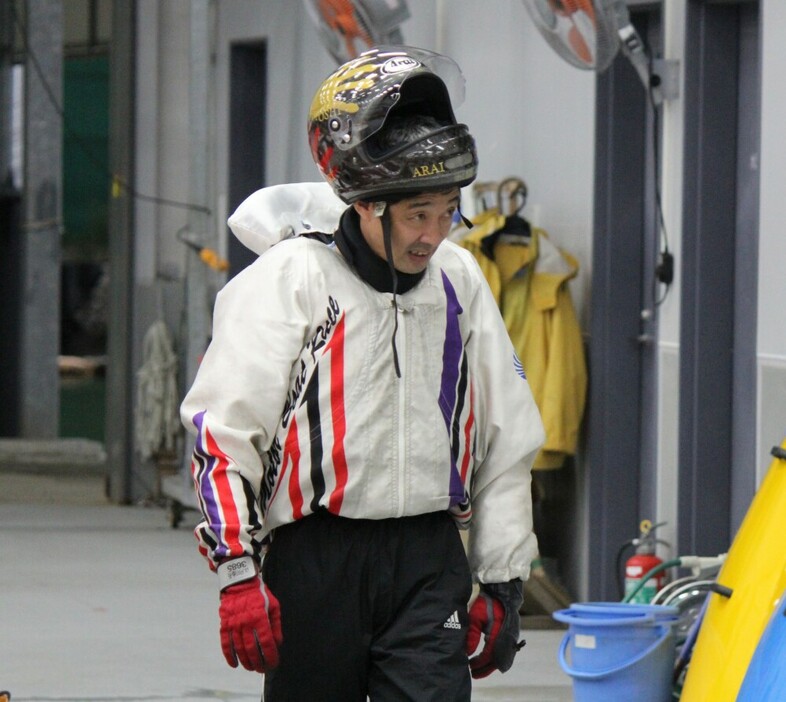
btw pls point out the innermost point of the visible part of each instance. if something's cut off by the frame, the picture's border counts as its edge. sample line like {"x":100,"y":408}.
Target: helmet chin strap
{"x":467,"y":222}
{"x":381,"y":211}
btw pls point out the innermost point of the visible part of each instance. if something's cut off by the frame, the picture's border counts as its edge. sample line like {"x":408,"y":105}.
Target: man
{"x":359,"y":401}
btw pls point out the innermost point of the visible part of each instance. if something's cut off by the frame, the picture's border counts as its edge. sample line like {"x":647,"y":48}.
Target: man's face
{"x":418,"y":226}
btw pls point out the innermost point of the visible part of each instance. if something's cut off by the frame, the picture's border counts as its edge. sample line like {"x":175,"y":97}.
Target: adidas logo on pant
{"x":453,"y":621}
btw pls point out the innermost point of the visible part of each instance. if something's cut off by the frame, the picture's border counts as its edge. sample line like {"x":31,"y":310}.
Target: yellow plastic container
{"x":755,"y":571}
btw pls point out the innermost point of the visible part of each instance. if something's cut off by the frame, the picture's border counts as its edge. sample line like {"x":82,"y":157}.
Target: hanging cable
{"x":664,"y":269}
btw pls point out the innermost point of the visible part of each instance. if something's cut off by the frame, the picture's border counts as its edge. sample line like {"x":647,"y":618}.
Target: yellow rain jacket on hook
{"x":529,"y":278}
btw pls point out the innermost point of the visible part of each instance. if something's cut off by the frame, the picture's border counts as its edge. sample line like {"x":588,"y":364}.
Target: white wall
{"x":669,"y":310}
{"x":291,"y":56}
{"x":532,"y":114}
{"x":772,"y":241}
{"x":771,"y":337}
{"x":522,"y":125}
{"x":161,"y":136}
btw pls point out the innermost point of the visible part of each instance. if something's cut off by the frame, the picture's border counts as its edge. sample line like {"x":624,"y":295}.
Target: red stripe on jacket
{"x":292,"y":454}
{"x":338,"y":415}
{"x":225,"y":499}
{"x":467,"y":434}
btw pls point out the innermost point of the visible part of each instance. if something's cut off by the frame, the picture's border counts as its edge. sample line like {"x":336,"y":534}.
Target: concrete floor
{"x":105,"y":603}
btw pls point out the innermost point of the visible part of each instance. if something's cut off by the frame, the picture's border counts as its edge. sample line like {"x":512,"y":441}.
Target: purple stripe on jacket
{"x":452,"y":351}
{"x":206,"y":461}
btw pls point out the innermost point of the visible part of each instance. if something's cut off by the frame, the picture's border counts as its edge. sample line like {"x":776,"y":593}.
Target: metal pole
{"x":198,"y":288}
{"x":120,"y":369}
{"x":41,"y":221}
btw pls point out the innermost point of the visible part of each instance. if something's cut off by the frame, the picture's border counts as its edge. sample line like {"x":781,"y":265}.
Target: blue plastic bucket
{"x":618,"y":651}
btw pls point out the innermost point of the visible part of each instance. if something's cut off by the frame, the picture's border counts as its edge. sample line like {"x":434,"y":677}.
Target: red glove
{"x":250,"y":625}
{"x":495,"y":614}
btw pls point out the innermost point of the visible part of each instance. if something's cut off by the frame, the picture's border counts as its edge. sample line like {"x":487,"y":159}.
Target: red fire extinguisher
{"x":638,"y":565}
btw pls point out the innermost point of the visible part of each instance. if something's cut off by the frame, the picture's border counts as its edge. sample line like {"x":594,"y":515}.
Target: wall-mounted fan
{"x":589,"y":33}
{"x":349,"y":27}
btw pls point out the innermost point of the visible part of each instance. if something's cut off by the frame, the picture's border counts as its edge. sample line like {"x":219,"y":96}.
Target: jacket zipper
{"x":402,"y":413}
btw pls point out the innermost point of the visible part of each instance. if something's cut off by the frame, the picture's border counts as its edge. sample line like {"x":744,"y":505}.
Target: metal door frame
{"x":717,"y":416}
{"x":621,"y":436}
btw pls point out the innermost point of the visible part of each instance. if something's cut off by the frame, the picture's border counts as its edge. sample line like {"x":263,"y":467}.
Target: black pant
{"x":370,"y":608}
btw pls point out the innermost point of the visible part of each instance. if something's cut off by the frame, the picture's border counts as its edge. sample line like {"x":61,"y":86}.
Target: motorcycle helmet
{"x":354,"y":105}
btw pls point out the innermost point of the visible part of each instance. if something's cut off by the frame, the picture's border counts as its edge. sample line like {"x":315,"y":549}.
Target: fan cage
{"x":583,"y":32}
{"x":349,"y":27}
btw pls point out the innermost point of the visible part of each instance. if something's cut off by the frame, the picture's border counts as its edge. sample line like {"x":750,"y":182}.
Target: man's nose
{"x":435,"y":232}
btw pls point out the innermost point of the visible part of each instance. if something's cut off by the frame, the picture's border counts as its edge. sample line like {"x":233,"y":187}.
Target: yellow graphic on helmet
{"x":347,"y":82}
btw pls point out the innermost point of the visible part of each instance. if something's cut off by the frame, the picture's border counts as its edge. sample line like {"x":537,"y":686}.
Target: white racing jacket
{"x":297,"y":406}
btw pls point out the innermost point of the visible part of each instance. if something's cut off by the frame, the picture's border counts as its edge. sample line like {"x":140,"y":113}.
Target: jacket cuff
{"x":236,"y":570}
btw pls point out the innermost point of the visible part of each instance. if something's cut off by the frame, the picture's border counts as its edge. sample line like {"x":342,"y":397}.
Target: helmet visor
{"x":356,"y":100}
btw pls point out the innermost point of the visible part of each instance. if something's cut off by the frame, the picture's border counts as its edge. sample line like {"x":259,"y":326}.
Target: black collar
{"x":370,"y":267}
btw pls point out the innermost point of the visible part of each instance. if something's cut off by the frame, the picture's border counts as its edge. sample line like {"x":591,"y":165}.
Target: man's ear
{"x":364,"y":209}
{"x":370,"y":210}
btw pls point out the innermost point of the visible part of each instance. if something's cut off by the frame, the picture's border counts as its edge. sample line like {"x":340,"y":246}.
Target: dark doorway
{"x":11,"y":292}
{"x":247,"y":130}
